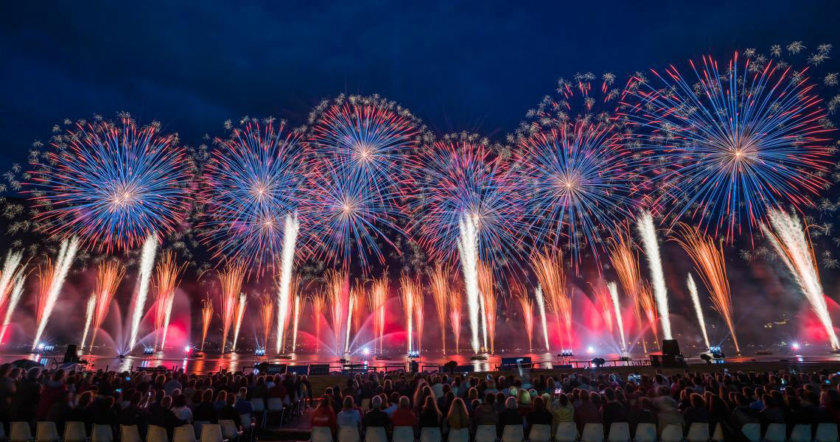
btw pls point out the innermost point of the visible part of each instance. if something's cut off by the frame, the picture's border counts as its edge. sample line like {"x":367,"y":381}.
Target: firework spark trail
{"x":230,"y":281}
{"x":266,"y":316}
{"x":108,"y":278}
{"x":339,"y":295}
{"x":604,"y":303}
{"x":206,"y":317}
{"x":378,"y":298}
{"x":290,"y":232}
{"x":147,"y":263}
{"x":613,"y":289}
{"x":50,"y":290}
{"x":647,"y":231}
{"x":167,"y":273}
{"x":625,"y":261}
{"x":648,"y":305}
{"x":468,"y":251}
{"x":527,"y":312}
{"x":419,"y":306}
{"x":90,"y":309}
{"x":441,"y":291}
{"x":695,"y":299}
{"x":543,"y":321}
{"x":296,"y":322}
{"x":483,"y":316}
{"x":358,"y":307}
{"x":794,"y":247}
{"x":407,"y":289}
{"x":455,"y":301}
{"x":319,"y":302}
{"x":9,"y":274}
{"x":240,"y":314}
{"x":710,"y":263}
{"x":489,"y":304}
{"x":552,"y":282}
{"x":351,"y":301}
{"x":14,"y":298}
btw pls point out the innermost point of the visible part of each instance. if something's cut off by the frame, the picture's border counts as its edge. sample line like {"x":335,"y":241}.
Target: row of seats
{"x":225,"y":430}
{"x":284,"y":407}
{"x":568,"y":432}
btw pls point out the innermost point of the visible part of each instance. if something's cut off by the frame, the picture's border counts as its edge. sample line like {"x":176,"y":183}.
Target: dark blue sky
{"x":458,"y":65}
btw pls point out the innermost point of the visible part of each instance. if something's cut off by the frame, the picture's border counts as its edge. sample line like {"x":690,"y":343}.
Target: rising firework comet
{"x":552,"y":282}
{"x":489,"y":305}
{"x":253,"y":189}
{"x":709,"y":261}
{"x":541,"y":305}
{"x":240,"y":314}
{"x":465,"y":208}
{"x":51,"y":281}
{"x":11,"y":269}
{"x":360,"y":143}
{"x":794,"y":247}
{"x":739,"y":141}
{"x":167,"y":273}
{"x":408,"y":290}
{"x":319,"y":303}
{"x":230,"y":281}
{"x":206,"y":317}
{"x":112,"y":184}
{"x":647,"y":231}
{"x":147,"y":263}
{"x":90,"y":310}
{"x":648,"y":306}
{"x":378,"y":299}
{"x":527,"y":306}
{"x":419,"y":305}
{"x":455,"y":307}
{"x":267,"y":318}
{"x":441,"y":291}
{"x":698,"y":309}
{"x":108,"y":278}
{"x":613,"y":290}
{"x":338,"y":286}
{"x":14,"y":299}
{"x":296,"y":323}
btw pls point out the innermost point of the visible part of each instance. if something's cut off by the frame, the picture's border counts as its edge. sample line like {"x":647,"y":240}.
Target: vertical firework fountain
{"x":319,"y":302}
{"x":147,"y":262}
{"x":486,"y":285}
{"x":166,"y":281}
{"x":378,"y":297}
{"x":408,"y":288}
{"x":90,"y":310}
{"x":468,"y":252}
{"x":51,"y":282}
{"x":14,"y":298}
{"x":647,"y":231}
{"x":709,"y":261}
{"x":296,"y":322}
{"x":206,"y":317}
{"x":240,"y":314}
{"x":267,"y":318}
{"x":455,"y":306}
{"x":552,"y":283}
{"x":108,"y":278}
{"x":338,"y":286}
{"x":521,"y":294}
{"x":541,"y":306}
{"x":794,"y":247}
{"x":648,"y":306}
{"x":439,"y":280}
{"x":419,"y":305}
{"x":9,"y":273}
{"x":625,"y":262}
{"x":291,"y":226}
{"x":613,"y":289}
{"x":230,"y":281}
{"x":698,"y":309}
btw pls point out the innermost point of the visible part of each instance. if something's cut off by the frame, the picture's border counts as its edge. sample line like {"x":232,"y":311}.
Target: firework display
{"x":545,"y":230}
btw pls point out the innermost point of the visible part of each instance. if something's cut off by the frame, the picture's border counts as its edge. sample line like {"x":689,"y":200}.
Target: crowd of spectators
{"x":164,"y":398}
{"x":452,"y":402}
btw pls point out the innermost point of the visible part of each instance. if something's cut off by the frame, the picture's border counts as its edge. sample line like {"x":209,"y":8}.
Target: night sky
{"x":458,"y":65}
